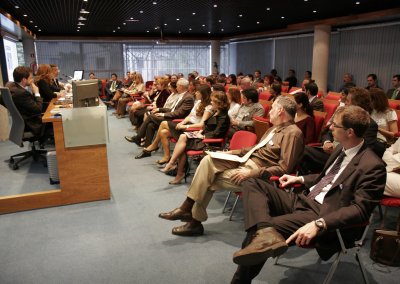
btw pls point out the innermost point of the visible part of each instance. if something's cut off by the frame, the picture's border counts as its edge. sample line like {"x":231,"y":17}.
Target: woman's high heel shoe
{"x":149,"y":151}
{"x":168,"y":168}
{"x":178,"y":180}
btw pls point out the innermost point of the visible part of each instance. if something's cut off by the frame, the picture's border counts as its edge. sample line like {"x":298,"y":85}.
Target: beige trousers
{"x":213,"y":175}
{"x":392,"y":187}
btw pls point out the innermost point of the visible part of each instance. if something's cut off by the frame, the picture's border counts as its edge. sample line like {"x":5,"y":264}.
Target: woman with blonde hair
{"x":44,"y":78}
{"x":215,"y":126}
{"x":136,"y":89}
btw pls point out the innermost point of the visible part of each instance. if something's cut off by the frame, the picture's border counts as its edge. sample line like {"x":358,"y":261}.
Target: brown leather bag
{"x":385,"y":246}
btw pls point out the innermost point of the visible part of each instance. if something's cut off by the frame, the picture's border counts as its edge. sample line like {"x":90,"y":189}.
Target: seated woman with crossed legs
{"x":201,"y":112}
{"x":214,"y":127}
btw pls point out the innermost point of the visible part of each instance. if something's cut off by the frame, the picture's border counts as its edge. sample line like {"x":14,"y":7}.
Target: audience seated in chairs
{"x":56,"y":86}
{"x":278,"y":153}
{"x":305,"y":117}
{"x":180,"y":109}
{"x":249,"y":108}
{"x":384,"y":116}
{"x":394,"y":93}
{"x":154,"y":99}
{"x":113,"y":86}
{"x":201,"y":111}
{"x":314,"y":158}
{"x":215,"y":126}
{"x":136,"y":90}
{"x":344,"y":194}
{"x":392,"y":159}
{"x":275,"y":91}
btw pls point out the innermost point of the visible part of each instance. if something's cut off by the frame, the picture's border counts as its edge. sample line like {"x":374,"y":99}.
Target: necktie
{"x":395,"y":93}
{"x":328,"y":178}
{"x":113,"y":86}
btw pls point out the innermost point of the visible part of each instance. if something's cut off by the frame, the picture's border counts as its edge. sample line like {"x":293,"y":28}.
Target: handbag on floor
{"x":385,"y":246}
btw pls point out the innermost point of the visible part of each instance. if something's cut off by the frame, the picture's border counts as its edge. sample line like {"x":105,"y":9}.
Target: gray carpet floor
{"x":123,"y":241}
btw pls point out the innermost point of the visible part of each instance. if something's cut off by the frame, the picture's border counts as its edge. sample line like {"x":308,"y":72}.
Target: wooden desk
{"x":83,"y":175}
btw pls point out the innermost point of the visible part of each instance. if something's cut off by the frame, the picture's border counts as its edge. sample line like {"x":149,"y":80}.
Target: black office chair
{"x":18,"y":135}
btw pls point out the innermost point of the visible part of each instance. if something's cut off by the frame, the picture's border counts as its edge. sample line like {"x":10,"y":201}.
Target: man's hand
{"x":159,"y":114}
{"x":240,"y":175}
{"x":328,"y":147}
{"x":304,"y":235}
{"x":286,"y":180}
{"x":35,"y":89}
{"x":234,"y":122}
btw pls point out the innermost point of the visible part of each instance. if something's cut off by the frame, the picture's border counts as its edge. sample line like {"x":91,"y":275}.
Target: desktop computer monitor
{"x":78,"y":75}
{"x":85,"y":93}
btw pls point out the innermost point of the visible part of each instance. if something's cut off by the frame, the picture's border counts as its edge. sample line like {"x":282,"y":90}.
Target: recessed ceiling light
{"x":118,"y":27}
{"x":357,"y":3}
{"x":81,"y":24}
{"x":85,"y":0}
{"x":215,"y":5}
{"x":190,"y":29}
{"x":35,"y":26}
{"x":282,"y":17}
{"x":154,"y":3}
{"x":131,"y":18}
{"x":179,"y":32}
{"x":238,"y":26}
{"x":222,"y":30}
{"x":240,"y":15}
{"x":31,"y":21}
{"x":83,"y":11}
{"x":165,"y":24}
{"x":16,"y":7}
{"x":219,"y":21}
{"x":258,"y":23}
{"x":147,"y":31}
{"x":113,"y":31}
{"x":209,"y":32}
{"x":193,"y":13}
{"x":77,"y":30}
{"x":124,"y":24}
{"x":315,"y":11}
{"x":156,"y":28}
{"x":25,"y":15}
{"x":268,"y":9}
{"x":39,"y":30}
{"x":305,"y":0}
{"x":177,"y":19}
{"x":141,"y":12}
{"x":81,"y":18}
{"x":203,"y":25}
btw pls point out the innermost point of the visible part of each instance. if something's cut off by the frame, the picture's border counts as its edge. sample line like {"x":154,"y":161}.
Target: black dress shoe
{"x":133,"y":139}
{"x":176,"y":214}
{"x":144,"y":154}
{"x":189,"y":229}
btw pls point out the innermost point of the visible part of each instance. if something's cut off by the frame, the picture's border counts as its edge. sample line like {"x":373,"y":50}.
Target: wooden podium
{"x":83,"y":175}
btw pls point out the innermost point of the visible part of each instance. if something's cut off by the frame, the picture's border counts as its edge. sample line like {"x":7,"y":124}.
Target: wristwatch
{"x":320,"y":223}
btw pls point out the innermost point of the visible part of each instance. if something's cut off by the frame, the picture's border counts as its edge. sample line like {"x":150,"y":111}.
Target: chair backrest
{"x":267,"y":106}
{"x":242,"y":139}
{"x":330,"y":107}
{"x":319,"y":119}
{"x":18,"y":123}
{"x":264,"y":96}
{"x":149,"y":85}
{"x":394,"y":104}
{"x":260,"y":125}
{"x":333,"y":96}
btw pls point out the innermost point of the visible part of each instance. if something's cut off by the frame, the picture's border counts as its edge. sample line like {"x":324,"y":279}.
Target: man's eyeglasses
{"x":338,"y":126}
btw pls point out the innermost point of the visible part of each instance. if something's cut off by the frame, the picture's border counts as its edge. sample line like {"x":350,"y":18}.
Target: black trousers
{"x":313,"y":160}
{"x":148,"y":129}
{"x":266,"y":206}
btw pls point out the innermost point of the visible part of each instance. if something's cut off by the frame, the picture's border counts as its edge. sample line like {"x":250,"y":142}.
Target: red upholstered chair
{"x":239,"y":140}
{"x":394,"y":104}
{"x":320,"y":94}
{"x":398,"y":123}
{"x":333,"y":96}
{"x":149,"y":85}
{"x":387,"y":201}
{"x":264,"y":96}
{"x":330,"y":107}
{"x":319,"y":119}
{"x":267,"y":106}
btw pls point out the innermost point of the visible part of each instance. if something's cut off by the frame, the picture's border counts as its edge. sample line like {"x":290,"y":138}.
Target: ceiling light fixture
{"x":83,"y":11}
{"x":219,"y":21}
{"x":113,"y":31}
{"x":238,"y":26}
{"x":16,"y":7}
{"x":315,"y":11}
{"x":25,"y":15}
{"x":179,"y":32}
{"x":222,"y":30}
{"x":154,"y":3}
{"x":215,"y":5}
{"x":165,"y":24}
{"x":81,"y":24}
{"x":357,"y":3}
{"x":282,"y":17}
{"x":132,"y":20}
{"x":31,"y":21}
{"x":81,"y":18}
{"x":141,"y":12}
{"x":209,"y":32}
{"x":119,"y":28}
{"x":203,"y":25}
{"x":39,"y":30}
{"x":124,"y":24}
{"x":177,"y":19}
{"x":193,"y":13}
{"x":190,"y":29}
{"x":240,"y":15}
{"x":147,"y":31}
{"x":268,"y":9}
{"x":258,"y":23}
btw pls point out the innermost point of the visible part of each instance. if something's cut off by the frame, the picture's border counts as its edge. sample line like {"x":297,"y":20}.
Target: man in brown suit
{"x":344,"y":194}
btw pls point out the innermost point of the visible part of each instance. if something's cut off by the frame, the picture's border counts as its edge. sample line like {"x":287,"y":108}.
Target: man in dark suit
{"x":312,"y":92}
{"x":344,"y":194}
{"x":180,"y":109}
{"x":29,"y":105}
{"x":314,"y":158}
{"x":112,"y":86}
{"x":394,"y":93}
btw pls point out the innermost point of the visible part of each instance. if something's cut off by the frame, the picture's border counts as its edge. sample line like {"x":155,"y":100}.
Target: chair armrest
{"x":260,"y":118}
{"x":315,"y":144}
{"x":190,"y":129}
{"x":177,"y":120}
{"x":213,"y":140}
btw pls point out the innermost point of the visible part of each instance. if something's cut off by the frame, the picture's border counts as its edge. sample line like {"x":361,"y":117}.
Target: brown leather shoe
{"x":266,"y":243}
{"x":176,"y":214}
{"x":189,"y":229}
